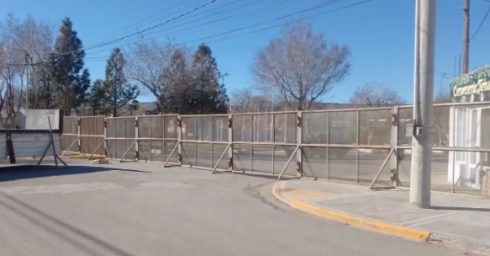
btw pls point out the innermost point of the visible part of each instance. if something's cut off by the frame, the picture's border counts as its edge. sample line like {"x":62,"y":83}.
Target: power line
{"x":279,"y":18}
{"x":155,"y":26}
{"x":261,"y":23}
{"x":254,"y":25}
{"x":481,"y":23}
{"x":195,"y":15}
{"x":140,"y":21}
{"x":285,"y":23}
{"x":282,"y":17}
{"x":209,"y":15}
{"x":203,"y":24}
{"x":149,"y":28}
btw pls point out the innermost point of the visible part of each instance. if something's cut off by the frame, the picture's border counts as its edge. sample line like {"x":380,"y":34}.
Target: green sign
{"x":474,"y":86}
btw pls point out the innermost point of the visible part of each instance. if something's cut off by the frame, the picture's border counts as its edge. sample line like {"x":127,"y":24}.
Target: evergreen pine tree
{"x":209,"y":95}
{"x":120,"y":92}
{"x":178,"y":93}
{"x":97,"y":97}
{"x":67,"y":73}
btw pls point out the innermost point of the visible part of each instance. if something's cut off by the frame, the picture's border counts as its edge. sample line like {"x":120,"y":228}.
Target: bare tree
{"x":8,"y":73}
{"x":374,"y":122}
{"x":146,"y":64}
{"x":23,"y":41}
{"x":246,"y":100}
{"x":300,"y":66}
{"x":376,"y":94}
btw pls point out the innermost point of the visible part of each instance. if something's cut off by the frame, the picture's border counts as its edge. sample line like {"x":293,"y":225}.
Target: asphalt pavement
{"x":141,"y":209}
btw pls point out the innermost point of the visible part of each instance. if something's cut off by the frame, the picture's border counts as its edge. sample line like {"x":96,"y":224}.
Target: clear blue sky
{"x":380,"y":34}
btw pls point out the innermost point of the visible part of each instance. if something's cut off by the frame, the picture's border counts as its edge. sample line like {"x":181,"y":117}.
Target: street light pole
{"x":223,"y":83}
{"x":420,"y":180}
{"x":28,"y":58}
{"x":223,"y":78}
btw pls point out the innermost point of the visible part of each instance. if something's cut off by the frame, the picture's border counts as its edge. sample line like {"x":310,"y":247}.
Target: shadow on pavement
{"x":453,"y":208}
{"x":20,"y":208}
{"x":39,"y":171}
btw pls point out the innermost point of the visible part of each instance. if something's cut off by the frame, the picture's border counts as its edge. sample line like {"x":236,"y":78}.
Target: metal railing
{"x":362,"y":145}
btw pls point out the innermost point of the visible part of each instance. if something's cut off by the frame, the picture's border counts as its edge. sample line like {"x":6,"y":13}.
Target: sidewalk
{"x":457,"y":221}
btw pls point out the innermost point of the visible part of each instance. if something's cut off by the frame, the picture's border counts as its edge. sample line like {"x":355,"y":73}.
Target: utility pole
{"x":425,"y":27}
{"x":466,"y":36}
{"x":27,"y":59}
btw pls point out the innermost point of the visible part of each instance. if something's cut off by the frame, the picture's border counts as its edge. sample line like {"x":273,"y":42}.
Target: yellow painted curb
{"x":275,"y":190}
{"x":87,"y":157}
{"x":391,"y":229}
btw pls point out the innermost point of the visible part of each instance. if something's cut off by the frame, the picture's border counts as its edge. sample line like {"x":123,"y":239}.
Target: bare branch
{"x":246,"y":100}
{"x":376,"y":94}
{"x":300,"y":66}
{"x":146,"y":67}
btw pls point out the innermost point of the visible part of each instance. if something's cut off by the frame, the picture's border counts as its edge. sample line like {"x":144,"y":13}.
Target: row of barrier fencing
{"x":363,"y":145}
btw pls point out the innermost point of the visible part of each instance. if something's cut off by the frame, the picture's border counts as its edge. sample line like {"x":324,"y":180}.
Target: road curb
{"x":387,"y":228}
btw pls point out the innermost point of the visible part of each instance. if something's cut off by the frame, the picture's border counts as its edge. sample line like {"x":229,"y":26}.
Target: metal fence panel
{"x":370,"y":161}
{"x":91,"y":135}
{"x":262,"y":156}
{"x":315,"y":127}
{"x":315,"y":162}
{"x":69,"y":143}
{"x":343,"y":164}
{"x":281,"y":157}
{"x":218,"y":150}
{"x":285,"y":128}
{"x":375,"y":127}
{"x":220,"y":128}
{"x":242,"y":157}
{"x":242,"y":128}
{"x":189,"y":128}
{"x":342,"y":127}
{"x":69,"y":137}
{"x":189,"y":153}
{"x":204,"y":128}
{"x":70,"y":125}
{"x":341,"y":144}
{"x":170,"y":127}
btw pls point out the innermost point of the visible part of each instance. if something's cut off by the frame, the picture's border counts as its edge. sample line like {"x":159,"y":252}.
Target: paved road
{"x":176,"y":211}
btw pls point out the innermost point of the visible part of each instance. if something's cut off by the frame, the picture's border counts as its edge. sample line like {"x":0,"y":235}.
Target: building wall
{"x":34,"y":144}
{"x":37,"y":119}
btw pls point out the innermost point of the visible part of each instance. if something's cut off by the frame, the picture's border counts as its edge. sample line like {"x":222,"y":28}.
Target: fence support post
{"x":105,"y":137}
{"x":273,"y":139}
{"x":179,"y":138}
{"x":299,"y":141}
{"x":230,"y":142}
{"x":79,"y":132}
{"x":394,"y":145}
{"x":358,"y":140}
{"x":136,"y":138}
